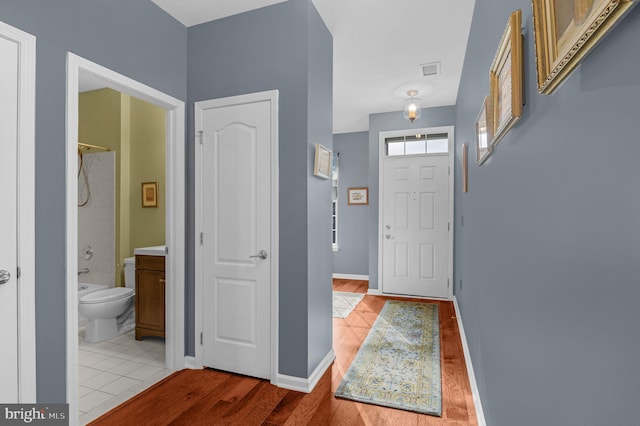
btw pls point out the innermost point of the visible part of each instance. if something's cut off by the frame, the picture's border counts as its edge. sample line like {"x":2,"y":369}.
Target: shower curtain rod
{"x":87,"y":146}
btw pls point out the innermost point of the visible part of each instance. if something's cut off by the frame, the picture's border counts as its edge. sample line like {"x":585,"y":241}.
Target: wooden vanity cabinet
{"x":150,"y":291}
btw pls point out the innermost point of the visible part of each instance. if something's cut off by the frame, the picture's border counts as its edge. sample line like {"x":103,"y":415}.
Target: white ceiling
{"x":88,"y":82}
{"x":378,"y":46}
{"x":194,"y":12}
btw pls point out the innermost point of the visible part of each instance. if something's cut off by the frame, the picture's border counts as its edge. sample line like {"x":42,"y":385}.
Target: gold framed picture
{"x":358,"y":196}
{"x":149,"y":194}
{"x":322,"y":163}
{"x":506,"y":78}
{"x":484,"y":132}
{"x":566,"y":30}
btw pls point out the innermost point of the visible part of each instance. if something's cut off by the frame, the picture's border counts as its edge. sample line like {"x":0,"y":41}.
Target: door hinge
{"x":447,"y":282}
{"x":201,"y":238}
{"x":166,"y":250}
{"x":448,"y":226}
{"x":201,"y":136}
{"x":449,"y":170}
{"x":18,"y":273}
{"x":201,"y":338}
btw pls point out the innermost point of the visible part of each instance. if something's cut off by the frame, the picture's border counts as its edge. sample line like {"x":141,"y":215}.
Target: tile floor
{"x":115,"y":370}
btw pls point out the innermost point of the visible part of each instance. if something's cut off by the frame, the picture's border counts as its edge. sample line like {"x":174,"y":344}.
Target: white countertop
{"x":150,"y":251}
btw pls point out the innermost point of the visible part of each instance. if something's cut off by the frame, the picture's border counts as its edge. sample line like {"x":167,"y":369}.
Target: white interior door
{"x":236,"y":225}
{"x":415,"y":234}
{"x":8,"y":221}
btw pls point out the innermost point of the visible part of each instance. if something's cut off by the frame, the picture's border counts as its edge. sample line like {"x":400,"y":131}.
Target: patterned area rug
{"x":398,"y":365}
{"x":343,"y":303}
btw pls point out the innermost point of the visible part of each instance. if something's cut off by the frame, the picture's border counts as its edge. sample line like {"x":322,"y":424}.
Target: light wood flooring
{"x":207,"y":397}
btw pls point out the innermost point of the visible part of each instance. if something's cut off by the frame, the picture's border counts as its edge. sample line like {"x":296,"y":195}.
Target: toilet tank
{"x":130,"y":272}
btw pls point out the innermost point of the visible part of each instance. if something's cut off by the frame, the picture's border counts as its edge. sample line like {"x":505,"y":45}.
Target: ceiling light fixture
{"x":412,"y":108}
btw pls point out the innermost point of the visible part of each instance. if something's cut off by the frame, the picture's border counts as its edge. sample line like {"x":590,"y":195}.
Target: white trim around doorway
{"x":271,"y":96}
{"x":449,"y":130}
{"x":175,"y":215}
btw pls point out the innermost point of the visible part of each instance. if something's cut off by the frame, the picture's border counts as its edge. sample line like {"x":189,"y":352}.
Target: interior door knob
{"x":5,"y":276}
{"x":261,"y":254}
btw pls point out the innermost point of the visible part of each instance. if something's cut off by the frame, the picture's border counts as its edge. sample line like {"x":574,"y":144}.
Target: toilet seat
{"x":107,"y":295}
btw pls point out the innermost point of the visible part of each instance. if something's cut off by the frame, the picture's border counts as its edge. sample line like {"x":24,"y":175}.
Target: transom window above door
{"x":418,"y":144}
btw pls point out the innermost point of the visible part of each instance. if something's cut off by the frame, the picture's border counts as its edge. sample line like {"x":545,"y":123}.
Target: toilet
{"x":110,"y":312}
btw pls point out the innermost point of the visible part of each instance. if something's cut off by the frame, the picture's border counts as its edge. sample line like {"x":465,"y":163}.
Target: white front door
{"x":8,"y":221}
{"x":235,"y":182}
{"x":415,"y":234}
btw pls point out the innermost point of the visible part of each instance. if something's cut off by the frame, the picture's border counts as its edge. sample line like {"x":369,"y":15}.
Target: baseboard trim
{"x":190,"y":362}
{"x":306,"y":385}
{"x":467,"y":359}
{"x":351,"y":277}
{"x":374,"y":292}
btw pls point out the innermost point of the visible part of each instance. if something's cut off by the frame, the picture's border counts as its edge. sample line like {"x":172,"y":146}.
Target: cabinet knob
{"x":161,"y":280}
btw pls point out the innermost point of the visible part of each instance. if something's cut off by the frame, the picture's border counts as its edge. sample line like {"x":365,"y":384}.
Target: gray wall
{"x":267,"y":49}
{"x":353,"y":239}
{"x":431,"y":117}
{"x":320,"y":123}
{"x":136,"y":39}
{"x":549,"y":252}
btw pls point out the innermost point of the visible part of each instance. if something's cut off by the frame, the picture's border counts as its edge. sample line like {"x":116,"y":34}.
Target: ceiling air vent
{"x":432,"y":68}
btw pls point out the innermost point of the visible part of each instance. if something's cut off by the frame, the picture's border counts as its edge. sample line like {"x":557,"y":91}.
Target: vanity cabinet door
{"x":150,"y":296}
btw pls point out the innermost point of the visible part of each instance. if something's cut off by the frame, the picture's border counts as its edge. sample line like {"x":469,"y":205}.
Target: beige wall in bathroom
{"x":148,"y":136}
{"x":135,"y":130}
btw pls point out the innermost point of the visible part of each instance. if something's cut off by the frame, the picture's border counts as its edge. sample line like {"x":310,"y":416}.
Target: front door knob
{"x":5,"y":276}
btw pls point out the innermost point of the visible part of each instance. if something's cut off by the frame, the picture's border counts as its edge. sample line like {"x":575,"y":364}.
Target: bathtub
{"x":84,"y":289}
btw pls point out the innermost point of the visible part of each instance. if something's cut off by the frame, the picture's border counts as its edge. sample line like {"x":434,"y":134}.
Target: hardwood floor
{"x":207,"y":397}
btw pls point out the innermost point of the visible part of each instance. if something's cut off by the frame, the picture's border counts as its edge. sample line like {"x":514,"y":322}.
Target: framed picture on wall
{"x":484,"y":134}
{"x":506,"y":79}
{"x":358,"y":196}
{"x":566,"y":30}
{"x":149,"y":194}
{"x":322,"y":163}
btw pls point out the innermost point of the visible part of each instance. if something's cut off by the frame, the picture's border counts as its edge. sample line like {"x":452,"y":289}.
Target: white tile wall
{"x":96,"y":220}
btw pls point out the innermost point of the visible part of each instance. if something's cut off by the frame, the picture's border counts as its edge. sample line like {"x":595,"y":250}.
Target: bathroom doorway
{"x":122,"y":146}
{"x":83,"y":72}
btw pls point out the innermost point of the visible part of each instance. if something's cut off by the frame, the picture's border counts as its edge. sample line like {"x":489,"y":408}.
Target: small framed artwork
{"x":506,"y":79}
{"x":484,"y":135}
{"x":358,"y":196}
{"x":322,"y":163}
{"x":149,"y":194}
{"x":465,"y":167}
{"x":566,"y":30}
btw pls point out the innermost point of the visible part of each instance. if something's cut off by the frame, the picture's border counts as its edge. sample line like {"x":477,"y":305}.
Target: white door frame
{"x":175,"y":221}
{"x":272,"y":97}
{"x":26,"y":210}
{"x":449,"y":130}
